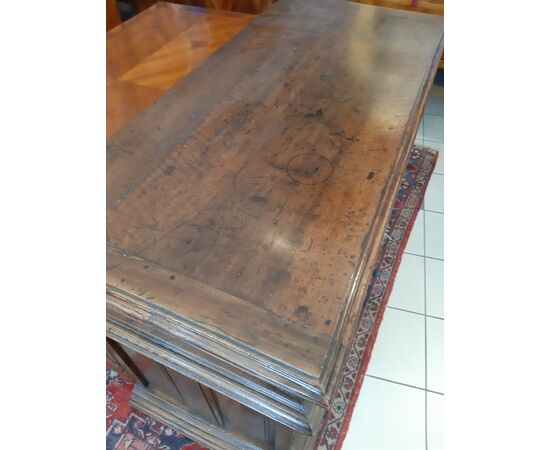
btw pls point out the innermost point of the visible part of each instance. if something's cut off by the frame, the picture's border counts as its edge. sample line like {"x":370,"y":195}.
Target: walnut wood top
{"x":247,"y":204}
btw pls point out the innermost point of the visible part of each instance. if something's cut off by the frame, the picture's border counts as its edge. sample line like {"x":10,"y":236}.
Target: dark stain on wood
{"x":169,"y":169}
{"x":318,"y":113}
{"x":258,"y":199}
{"x":309,"y":169}
{"x":302,"y":312}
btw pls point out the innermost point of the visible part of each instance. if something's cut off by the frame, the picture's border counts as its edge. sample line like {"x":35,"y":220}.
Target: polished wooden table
{"x":246,"y":205}
{"x":150,"y":52}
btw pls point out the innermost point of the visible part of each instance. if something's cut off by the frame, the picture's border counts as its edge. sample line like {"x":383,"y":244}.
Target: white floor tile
{"x":420,"y":131}
{"x":434,"y":105}
{"x":415,"y":244}
{"x":408,"y":289}
{"x":433,"y":199}
{"x":435,"y":421}
{"x":387,"y":416}
{"x":434,"y":145}
{"x":433,"y":128}
{"x":399,"y":351}
{"x":434,"y":287}
{"x":434,"y":354}
{"x":434,"y":234}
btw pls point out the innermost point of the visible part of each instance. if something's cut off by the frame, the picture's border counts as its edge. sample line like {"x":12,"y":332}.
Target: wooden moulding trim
{"x":266,"y":406}
{"x":141,"y":315}
{"x":210,"y":363}
{"x":188,"y":302}
{"x":349,"y":316}
{"x":199,"y":430}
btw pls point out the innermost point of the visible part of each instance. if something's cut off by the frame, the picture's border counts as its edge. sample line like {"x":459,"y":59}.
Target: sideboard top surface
{"x":245,"y":204}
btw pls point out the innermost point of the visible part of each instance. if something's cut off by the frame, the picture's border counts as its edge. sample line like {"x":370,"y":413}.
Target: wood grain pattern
{"x":149,"y":53}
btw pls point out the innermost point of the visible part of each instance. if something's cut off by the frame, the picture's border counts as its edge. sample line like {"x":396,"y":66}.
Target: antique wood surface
{"x":423,"y":6}
{"x":147,"y":54}
{"x":259,"y":6}
{"x":247,"y":204}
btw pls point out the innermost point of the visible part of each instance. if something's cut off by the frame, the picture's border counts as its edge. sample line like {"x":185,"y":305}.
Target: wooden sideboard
{"x":246,"y":206}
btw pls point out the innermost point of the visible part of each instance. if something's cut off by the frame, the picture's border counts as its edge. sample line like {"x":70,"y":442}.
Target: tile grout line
{"x":424,"y":256}
{"x":425,"y":341}
{"x":403,"y":384}
{"x":415,"y":312}
{"x":423,"y":128}
{"x":433,"y":114}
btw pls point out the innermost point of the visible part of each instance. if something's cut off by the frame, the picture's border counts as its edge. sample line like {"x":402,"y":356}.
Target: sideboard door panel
{"x":210,"y":406}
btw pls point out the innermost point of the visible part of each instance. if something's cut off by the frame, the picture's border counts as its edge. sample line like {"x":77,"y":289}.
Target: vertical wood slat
{"x":167,"y":373}
{"x":128,"y":361}
{"x":269,"y":432}
{"x":212,"y":402}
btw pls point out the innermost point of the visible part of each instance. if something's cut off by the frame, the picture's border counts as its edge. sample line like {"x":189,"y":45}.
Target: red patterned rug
{"x":128,"y":429}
